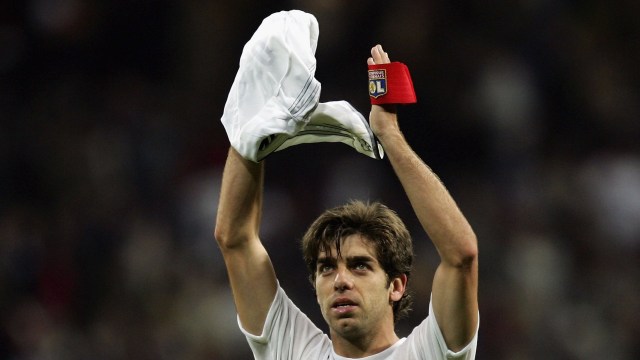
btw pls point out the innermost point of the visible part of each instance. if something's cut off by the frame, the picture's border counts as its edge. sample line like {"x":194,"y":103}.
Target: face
{"x":353,"y":291}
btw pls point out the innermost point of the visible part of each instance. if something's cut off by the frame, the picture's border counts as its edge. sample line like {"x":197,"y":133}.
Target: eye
{"x":325,"y":268}
{"x":360,"y":266}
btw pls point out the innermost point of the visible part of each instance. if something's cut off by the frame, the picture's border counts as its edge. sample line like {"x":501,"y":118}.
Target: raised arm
{"x":455,"y":284}
{"x":250,"y":271}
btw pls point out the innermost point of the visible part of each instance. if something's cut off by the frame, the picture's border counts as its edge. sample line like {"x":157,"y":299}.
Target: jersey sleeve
{"x":287,"y":333}
{"x":426,"y":342}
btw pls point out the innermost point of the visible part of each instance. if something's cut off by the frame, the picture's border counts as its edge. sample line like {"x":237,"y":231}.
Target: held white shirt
{"x":274,"y":103}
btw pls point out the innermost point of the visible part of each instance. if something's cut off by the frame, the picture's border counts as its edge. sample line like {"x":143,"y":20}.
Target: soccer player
{"x":360,"y":258}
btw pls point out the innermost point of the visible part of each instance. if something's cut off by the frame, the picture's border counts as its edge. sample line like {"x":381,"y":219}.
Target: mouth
{"x":342,"y":306}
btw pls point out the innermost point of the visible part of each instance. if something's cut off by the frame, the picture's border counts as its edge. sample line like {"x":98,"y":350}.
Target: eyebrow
{"x":349,"y":259}
{"x":361,"y":259}
{"x":325,"y":260}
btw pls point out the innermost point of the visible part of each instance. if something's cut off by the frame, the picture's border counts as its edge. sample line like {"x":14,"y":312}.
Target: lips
{"x":343,"y":305}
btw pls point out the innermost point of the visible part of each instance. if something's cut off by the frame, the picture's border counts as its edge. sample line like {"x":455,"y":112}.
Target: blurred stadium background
{"x":111,"y":152}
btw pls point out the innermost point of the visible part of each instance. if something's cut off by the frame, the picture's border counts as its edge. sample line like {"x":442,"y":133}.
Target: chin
{"x":347,"y":327}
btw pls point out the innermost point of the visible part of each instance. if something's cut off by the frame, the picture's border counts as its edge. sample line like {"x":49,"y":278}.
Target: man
{"x":360,"y":257}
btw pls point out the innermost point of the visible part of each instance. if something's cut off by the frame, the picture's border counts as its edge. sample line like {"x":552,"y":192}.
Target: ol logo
{"x":377,"y":82}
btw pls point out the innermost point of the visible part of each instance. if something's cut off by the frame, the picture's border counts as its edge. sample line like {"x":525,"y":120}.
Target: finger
{"x":370,"y":61}
{"x":376,"y":55}
{"x":383,"y":54}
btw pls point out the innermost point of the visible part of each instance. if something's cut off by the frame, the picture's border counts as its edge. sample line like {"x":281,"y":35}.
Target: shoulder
{"x":287,"y":330}
{"x":427,"y":342}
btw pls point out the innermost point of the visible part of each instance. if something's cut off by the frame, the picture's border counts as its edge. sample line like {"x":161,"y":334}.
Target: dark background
{"x":111,"y":151}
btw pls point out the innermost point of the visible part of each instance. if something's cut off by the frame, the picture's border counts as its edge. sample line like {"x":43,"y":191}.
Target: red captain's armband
{"x":390,"y":84}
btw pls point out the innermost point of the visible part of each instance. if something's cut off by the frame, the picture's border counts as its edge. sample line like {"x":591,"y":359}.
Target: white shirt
{"x":288,"y":334}
{"x":274,"y":103}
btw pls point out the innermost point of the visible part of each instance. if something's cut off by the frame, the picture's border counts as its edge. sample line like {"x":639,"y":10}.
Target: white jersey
{"x":288,"y":334}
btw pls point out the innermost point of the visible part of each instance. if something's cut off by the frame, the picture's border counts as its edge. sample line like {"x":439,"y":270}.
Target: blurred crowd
{"x":111,"y":153}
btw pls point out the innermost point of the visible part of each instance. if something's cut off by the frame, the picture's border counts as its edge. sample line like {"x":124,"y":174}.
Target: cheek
{"x":320,"y":291}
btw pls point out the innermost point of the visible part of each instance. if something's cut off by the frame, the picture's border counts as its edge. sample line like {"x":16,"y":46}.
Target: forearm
{"x":251,"y":274}
{"x":455,"y":284}
{"x":240,"y":205}
{"x":436,"y":210}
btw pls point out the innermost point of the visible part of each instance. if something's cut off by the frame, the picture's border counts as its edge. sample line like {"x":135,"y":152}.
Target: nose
{"x":343,"y":280}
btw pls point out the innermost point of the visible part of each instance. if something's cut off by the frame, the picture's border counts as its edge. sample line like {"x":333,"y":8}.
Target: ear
{"x":397,"y":287}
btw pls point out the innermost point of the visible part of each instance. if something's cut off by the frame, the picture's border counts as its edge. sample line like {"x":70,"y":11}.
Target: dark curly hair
{"x":375,"y":222}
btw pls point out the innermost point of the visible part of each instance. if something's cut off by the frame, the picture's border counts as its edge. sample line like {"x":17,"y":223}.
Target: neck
{"x":363,"y":345}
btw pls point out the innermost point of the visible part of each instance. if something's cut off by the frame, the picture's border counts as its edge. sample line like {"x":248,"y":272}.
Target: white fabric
{"x":274,"y":99}
{"x":288,"y":334}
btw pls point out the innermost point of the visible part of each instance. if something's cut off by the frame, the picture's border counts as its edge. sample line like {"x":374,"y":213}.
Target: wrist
{"x":383,"y":122}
